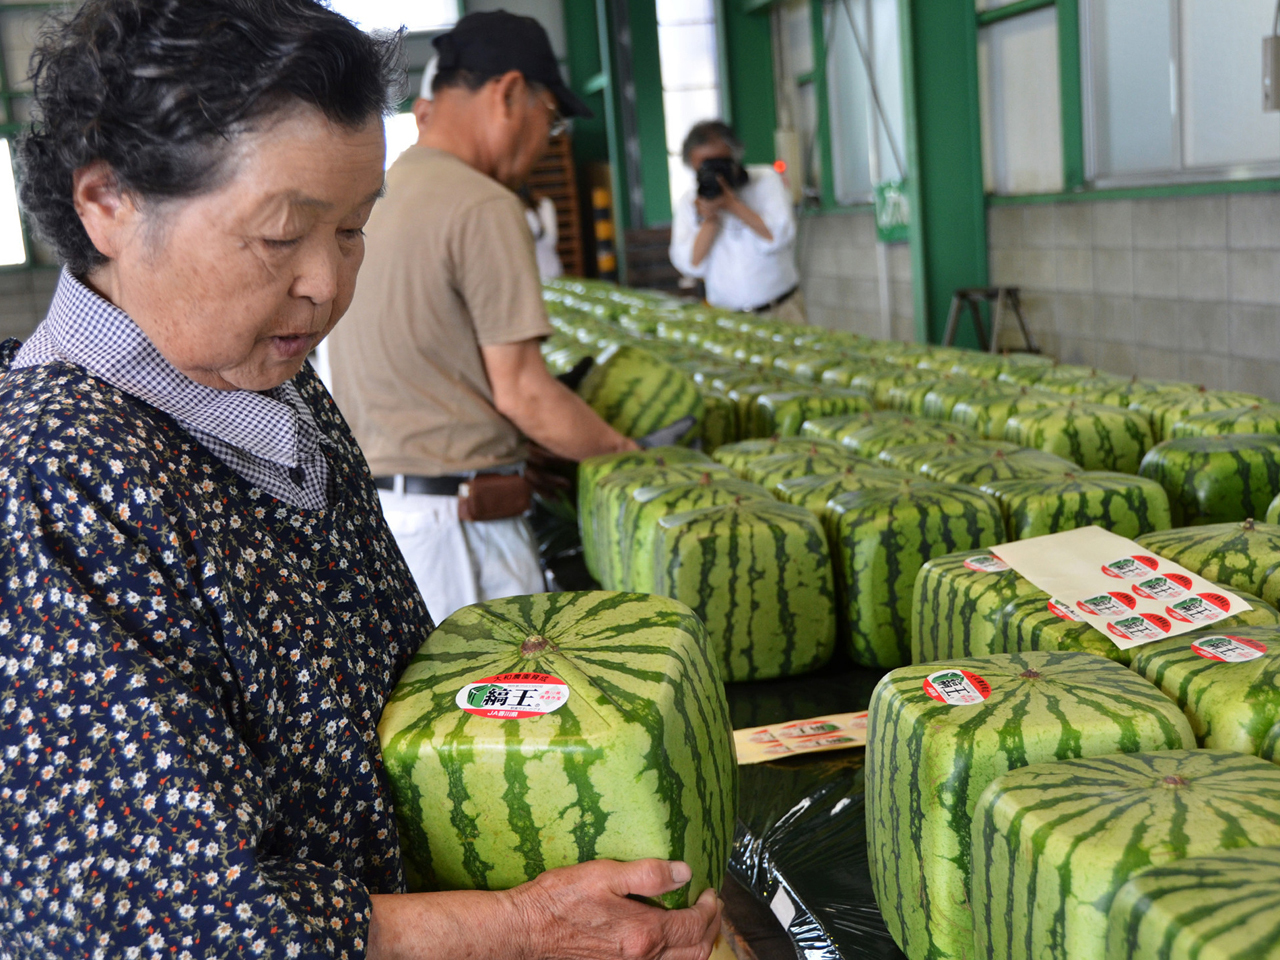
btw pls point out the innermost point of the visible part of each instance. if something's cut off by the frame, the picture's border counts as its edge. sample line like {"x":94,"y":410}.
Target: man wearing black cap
{"x":438,"y":366}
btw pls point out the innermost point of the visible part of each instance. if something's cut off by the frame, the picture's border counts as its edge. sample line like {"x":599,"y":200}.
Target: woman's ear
{"x":107,"y":212}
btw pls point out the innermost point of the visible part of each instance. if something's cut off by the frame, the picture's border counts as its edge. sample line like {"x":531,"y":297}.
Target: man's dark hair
{"x":708,"y":132}
{"x":160,"y":89}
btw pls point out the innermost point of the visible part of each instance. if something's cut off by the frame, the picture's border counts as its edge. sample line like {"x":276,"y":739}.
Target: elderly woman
{"x":201,"y":611}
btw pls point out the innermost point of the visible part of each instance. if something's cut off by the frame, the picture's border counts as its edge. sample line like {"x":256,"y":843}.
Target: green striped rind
{"x":843,"y":373}
{"x":977,"y":470}
{"x":956,"y":610}
{"x":830,"y":428}
{"x":928,"y":762}
{"x":868,"y":441}
{"x":636,"y":392}
{"x":609,"y":501}
{"x":940,"y":402}
{"x":594,"y":469}
{"x":878,"y":383}
{"x":738,"y":456}
{"x":1270,"y":749}
{"x":1166,"y":409}
{"x":770,"y":471}
{"x":1067,"y":377}
{"x":987,"y":414}
{"x":1216,"y":479}
{"x":880,"y":538}
{"x":782,"y":414}
{"x":1221,"y":907}
{"x":719,"y":422}
{"x":1243,"y":556}
{"x":647,"y":505}
{"x":744,"y":396}
{"x":815,"y":492}
{"x":1095,"y":436}
{"x":1027,"y":623}
{"x":1231,"y":706}
{"x":916,"y":457}
{"x":1119,"y":392}
{"x":638,"y":763}
{"x":1120,"y":502}
{"x":758,"y":574}
{"x":1256,"y":418}
{"x":1054,"y":842}
{"x":909,"y":397}
{"x":1273,"y":511}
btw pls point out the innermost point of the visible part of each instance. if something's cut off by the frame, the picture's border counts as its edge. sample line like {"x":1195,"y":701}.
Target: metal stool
{"x":1001,"y":296}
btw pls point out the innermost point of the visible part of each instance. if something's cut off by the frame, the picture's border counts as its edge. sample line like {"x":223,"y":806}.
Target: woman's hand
{"x":586,"y":912}
{"x":583,"y":912}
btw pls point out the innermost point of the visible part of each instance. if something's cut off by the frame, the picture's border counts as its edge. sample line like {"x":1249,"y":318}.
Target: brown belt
{"x":486,"y":496}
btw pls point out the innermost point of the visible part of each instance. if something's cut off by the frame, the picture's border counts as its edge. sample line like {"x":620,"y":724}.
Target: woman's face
{"x":235,"y":287}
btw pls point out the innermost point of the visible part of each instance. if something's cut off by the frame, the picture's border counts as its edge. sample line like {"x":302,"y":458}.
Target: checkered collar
{"x":83,"y":328}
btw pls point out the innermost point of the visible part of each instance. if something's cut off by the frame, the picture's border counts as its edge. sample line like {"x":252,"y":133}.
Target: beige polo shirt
{"x":449,"y":267}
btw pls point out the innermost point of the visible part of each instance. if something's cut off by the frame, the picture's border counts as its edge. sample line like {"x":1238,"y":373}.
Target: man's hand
{"x":585,"y":912}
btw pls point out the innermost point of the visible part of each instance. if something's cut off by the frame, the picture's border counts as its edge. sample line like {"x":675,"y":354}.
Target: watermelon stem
{"x":1176,"y":781}
{"x":1030,"y":674}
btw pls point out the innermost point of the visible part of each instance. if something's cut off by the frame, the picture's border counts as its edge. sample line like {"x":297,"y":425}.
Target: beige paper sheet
{"x":837,"y":731}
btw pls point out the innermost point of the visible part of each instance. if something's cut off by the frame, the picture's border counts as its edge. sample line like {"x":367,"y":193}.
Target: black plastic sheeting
{"x":801,"y":842}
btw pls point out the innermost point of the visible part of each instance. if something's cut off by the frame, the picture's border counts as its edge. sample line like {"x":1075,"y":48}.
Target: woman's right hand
{"x":583,"y":912}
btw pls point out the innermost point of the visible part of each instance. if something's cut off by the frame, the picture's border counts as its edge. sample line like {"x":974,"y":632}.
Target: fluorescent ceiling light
{"x":416,"y":16}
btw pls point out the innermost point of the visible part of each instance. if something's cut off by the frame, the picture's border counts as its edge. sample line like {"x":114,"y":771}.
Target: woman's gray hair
{"x":708,"y":132}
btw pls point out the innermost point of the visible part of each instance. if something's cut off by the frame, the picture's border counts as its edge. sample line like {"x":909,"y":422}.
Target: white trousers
{"x":456,"y":564}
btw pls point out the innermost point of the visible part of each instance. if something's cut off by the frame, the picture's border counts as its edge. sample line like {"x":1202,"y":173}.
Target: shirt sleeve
{"x":684,"y":230}
{"x":498,"y":273}
{"x":773,"y":204}
{"x":139,"y":820}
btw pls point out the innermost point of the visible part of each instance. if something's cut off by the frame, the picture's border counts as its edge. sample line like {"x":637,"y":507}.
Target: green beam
{"x":613,"y":136}
{"x":1072,"y":94}
{"x":646,"y":68}
{"x":748,"y":54}
{"x":822,"y":138}
{"x":756,"y":6}
{"x":944,"y":157}
{"x":1010,"y":10}
{"x":588,"y":79}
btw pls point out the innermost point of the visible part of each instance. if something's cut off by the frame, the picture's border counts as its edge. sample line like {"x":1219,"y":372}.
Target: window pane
{"x":797,"y":33}
{"x":1022,"y":113}
{"x":686,"y":11}
{"x":1131,"y":95}
{"x":684,"y":108}
{"x":688,"y":55}
{"x":13,"y":250}
{"x":887,"y":53}
{"x":848,"y":95}
{"x":402,"y":133}
{"x":682,"y":179}
{"x":1223,"y":121}
{"x":416,"y":16}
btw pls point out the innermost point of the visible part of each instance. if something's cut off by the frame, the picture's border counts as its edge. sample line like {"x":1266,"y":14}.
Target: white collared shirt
{"x":742,"y":270}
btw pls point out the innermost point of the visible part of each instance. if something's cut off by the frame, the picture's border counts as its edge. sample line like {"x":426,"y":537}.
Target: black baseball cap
{"x":494,"y":42}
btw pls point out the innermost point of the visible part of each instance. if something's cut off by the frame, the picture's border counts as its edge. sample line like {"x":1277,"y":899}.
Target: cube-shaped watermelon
{"x":938,"y":734}
{"x":1126,"y":505}
{"x":1095,"y":436}
{"x":537,"y":732}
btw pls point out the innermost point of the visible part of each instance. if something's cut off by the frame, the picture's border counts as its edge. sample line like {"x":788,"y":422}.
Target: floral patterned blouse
{"x":192,"y":676}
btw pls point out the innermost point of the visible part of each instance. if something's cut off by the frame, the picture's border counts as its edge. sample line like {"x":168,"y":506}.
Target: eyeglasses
{"x":557,"y":123}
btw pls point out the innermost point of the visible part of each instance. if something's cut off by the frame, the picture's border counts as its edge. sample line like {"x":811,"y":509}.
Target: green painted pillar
{"x":748,"y":58}
{"x":582,"y":36}
{"x":944,"y":150}
{"x":651,"y":124}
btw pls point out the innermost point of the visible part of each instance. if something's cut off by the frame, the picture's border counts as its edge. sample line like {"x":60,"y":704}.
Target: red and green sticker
{"x":1062,"y":609}
{"x":1229,"y":649}
{"x":1172,"y":586}
{"x":1147,"y":626}
{"x":514,"y":696}
{"x":987,"y":564}
{"x":1202,"y":608}
{"x":957,"y":688}
{"x":1131,"y":568}
{"x":1117,"y":603}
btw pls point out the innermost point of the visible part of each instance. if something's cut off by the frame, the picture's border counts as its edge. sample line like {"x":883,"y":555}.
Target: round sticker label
{"x":1148,"y":626}
{"x":1131,"y":568}
{"x":1114,"y":604}
{"x":514,"y":696}
{"x":959,"y":688}
{"x":987,"y":564}
{"x":1202,"y":608}
{"x":1171,"y":586}
{"x":1229,"y":649}
{"x":807,"y":729}
{"x":1060,"y":608}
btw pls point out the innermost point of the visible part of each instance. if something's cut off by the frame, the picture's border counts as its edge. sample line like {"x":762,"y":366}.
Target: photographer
{"x":736,"y":230}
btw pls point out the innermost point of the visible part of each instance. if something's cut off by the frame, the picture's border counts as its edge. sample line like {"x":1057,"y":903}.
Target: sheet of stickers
{"x":1128,"y":593}
{"x":838,"y":731}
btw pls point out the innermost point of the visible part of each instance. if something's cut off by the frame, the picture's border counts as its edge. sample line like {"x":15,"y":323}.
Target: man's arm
{"x":543,"y":408}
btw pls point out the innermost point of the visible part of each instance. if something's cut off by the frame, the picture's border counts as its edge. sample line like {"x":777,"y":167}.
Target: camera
{"x":710,"y":173}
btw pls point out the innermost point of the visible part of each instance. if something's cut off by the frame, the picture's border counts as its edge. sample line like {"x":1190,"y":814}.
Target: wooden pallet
{"x":555,"y":177}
